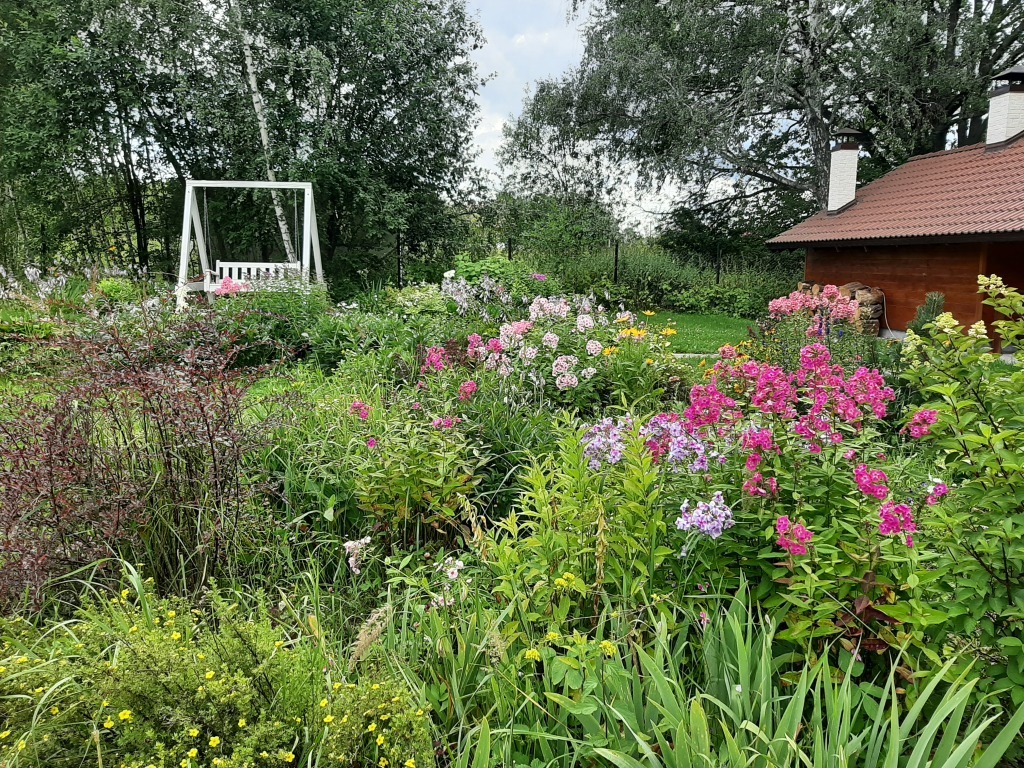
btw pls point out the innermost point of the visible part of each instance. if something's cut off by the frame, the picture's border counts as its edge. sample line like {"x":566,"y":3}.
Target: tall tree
{"x":743,"y":94}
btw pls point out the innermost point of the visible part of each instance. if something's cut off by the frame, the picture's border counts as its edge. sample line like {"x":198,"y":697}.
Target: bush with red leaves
{"x":138,"y":454}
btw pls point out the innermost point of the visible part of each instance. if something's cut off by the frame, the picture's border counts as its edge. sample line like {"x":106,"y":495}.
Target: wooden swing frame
{"x":192,"y":232}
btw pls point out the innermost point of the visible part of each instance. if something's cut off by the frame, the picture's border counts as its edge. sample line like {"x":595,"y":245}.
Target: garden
{"x":496,"y":521}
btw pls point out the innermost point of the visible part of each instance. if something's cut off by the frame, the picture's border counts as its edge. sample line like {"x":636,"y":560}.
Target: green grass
{"x":700,"y":334}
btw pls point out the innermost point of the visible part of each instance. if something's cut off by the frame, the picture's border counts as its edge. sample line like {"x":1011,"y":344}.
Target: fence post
{"x":615,"y":269}
{"x":509,"y":248}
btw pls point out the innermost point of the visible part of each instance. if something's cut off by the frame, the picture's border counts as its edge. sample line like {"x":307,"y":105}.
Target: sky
{"x":527,"y":41}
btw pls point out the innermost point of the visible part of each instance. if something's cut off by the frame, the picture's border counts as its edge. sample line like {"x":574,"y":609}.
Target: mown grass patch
{"x":700,"y":334}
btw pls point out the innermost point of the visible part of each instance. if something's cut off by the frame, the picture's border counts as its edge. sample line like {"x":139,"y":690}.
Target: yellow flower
{"x":649,"y":361}
{"x":242,"y":723}
{"x":4,"y":735}
{"x":552,"y":636}
{"x":607,"y":648}
{"x":649,"y":313}
{"x":184,"y":763}
{"x":210,"y":675}
{"x":21,"y":660}
{"x":380,"y":740}
{"x":54,"y":710}
{"x":215,"y":741}
{"x":193,"y":732}
{"x":125,"y":715}
{"x":323,"y":703}
{"x":218,"y":761}
{"x":329,"y":719}
{"x":279,"y":643}
{"x":375,"y":687}
{"x":264,"y":754}
{"x":108,"y":723}
{"x":383,"y":762}
{"x":609,"y":351}
{"x":175,"y":635}
{"x":668,"y":331}
{"x":193,"y":752}
{"x":419,"y":713}
{"x":371,"y":727}
{"x":560,"y":583}
{"x":125,"y":593}
{"x":337,"y":686}
{"x":286,"y":756}
{"x":410,"y":763}
{"x":171,"y":614}
{"x":568,"y":577}
{"x":532,"y":655}
{"x":385,"y":717}
{"x":201,"y":656}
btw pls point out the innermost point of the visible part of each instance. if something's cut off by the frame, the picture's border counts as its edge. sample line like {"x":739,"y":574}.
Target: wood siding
{"x":906,"y":274}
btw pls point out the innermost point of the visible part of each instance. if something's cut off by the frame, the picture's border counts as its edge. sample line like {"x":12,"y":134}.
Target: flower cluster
{"x":360,"y":409}
{"x":605,"y":442}
{"x":668,"y":440}
{"x":354,"y":551}
{"x":921,"y":423}
{"x":229,"y":287}
{"x":446,"y":422}
{"x":897,"y":519}
{"x":801,"y":536}
{"x":553,"y":307}
{"x":436,"y":360}
{"x":936,"y":491}
{"x":708,"y":518}
{"x":824,"y":309}
{"x":872,"y":482}
{"x":467,"y":389}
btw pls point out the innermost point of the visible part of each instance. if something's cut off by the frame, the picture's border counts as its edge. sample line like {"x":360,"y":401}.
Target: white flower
{"x":449,"y":275}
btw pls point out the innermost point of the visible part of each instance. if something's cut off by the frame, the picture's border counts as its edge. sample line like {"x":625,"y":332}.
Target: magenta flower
{"x":361,"y":409}
{"x":921,"y":424}
{"x":436,"y":360}
{"x":871,"y":482}
{"x":795,"y":544}
{"x":936,"y":492}
{"x":539,"y":277}
{"x":371,"y":443}
{"x":897,"y":519}
{"x":467,"y":389}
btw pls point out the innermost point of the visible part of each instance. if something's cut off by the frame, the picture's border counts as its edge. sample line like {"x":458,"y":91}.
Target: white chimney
{"x":1006,"y":106}
{"x":842,"y":176}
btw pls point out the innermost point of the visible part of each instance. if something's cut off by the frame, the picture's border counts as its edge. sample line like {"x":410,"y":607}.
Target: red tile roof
{"x":970,"y":191}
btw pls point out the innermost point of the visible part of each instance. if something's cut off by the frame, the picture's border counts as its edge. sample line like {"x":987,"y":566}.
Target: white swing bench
{"x":250,"y":274}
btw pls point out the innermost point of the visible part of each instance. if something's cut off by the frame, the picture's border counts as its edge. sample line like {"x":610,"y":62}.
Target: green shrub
{"x":274,"y":323}
{"x":118,"y":290}
{"x":934,"y":303}
{"x":139,"y":681}
{"x":977,"y":437}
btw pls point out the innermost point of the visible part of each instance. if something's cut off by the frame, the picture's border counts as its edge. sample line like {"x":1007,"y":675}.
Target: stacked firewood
{"x":871,"y":302}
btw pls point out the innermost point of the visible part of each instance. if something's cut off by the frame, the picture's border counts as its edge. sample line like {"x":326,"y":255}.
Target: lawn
{"x":699,"y":334}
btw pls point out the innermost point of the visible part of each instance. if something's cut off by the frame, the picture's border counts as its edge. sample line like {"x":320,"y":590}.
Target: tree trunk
{"x":261,"y":120}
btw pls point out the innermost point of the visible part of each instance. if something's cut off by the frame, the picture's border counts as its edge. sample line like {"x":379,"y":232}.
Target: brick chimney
{"x":1006,"y":106}
{"x":842,"y":177}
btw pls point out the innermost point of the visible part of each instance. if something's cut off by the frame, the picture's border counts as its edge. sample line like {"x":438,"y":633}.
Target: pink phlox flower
{"x":361,"y":409}
{"x":797,"y":543}
{"x":897,"y":519}
{"x":935,"y":492}
{"x":467,"y":389}
{"x":436,"y":360}
{"x":871,"y":482}
{"x":229,"y":287}
{"x":921,"y":423}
